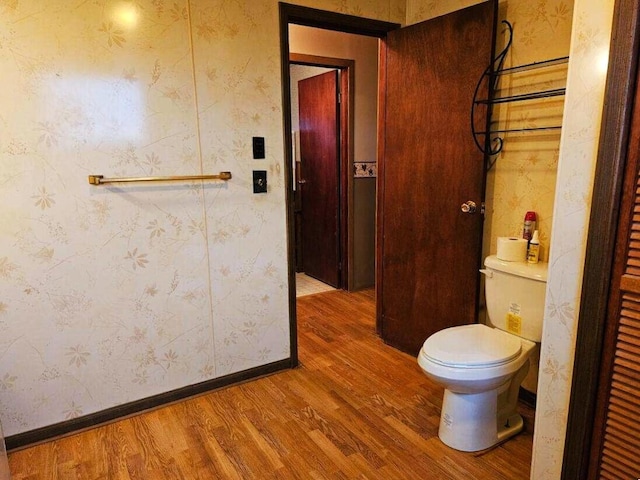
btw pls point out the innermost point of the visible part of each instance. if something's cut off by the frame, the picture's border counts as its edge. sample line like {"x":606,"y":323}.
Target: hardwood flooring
{"x":354,"y":409}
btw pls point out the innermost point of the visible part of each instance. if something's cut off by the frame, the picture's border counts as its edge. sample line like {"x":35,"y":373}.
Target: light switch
{"x":259,"y":181}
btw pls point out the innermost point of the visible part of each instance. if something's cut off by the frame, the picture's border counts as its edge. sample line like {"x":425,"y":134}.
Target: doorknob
{"x":468,"y":207}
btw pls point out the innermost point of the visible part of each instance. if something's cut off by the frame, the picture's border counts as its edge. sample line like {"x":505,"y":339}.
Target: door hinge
{"x":482,"y":208}
{"x":339,"y":97}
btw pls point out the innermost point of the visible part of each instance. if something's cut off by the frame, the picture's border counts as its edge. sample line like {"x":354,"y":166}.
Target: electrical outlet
{"x":258,"y":147}
{"x":259,"y":181}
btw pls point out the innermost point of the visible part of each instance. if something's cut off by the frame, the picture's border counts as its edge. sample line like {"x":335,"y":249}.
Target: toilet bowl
{"x":473,"y":417}
{"x":482,"y":366}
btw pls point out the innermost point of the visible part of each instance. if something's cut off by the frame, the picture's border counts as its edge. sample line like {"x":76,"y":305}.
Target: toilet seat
{"x":471,"y":346}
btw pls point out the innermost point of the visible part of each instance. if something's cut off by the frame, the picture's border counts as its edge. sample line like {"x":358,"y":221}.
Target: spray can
{"x":529,"y":225}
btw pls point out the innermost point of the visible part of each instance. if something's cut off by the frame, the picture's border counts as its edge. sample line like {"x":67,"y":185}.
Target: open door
{"x":428,"y":248}
{"x":320,"y":176}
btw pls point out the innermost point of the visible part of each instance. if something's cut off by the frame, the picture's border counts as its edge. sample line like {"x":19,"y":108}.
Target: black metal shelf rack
{"x":488,"y":140}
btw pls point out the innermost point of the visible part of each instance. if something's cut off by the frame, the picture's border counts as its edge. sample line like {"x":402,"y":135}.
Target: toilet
{"x":482,"y":366}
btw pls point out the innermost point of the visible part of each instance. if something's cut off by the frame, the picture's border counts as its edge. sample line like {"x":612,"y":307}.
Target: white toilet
{"x":481,"y":367}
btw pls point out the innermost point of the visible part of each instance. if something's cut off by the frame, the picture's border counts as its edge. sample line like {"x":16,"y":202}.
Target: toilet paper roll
{"x":512,"y":249}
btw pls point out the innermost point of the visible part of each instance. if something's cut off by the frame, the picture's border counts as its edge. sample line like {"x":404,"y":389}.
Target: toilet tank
{"x":515,"y":294}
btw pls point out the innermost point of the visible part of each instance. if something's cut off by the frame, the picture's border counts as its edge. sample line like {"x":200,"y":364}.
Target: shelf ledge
{"x":525,"y":96}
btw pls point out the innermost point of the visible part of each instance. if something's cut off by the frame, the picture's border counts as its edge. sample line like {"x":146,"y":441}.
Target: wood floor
{"x":355,"y":409}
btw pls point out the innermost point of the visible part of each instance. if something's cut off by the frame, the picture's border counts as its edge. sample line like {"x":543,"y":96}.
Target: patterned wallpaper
{"x":420,"y":10}
{"x":523,"y":177}
{"x":578,"y":153}
{"x":112,"y":294}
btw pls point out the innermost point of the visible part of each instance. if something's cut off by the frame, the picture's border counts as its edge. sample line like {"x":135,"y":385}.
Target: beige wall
{"x":523,"y":175}
{"x":364,"y":51}
{"x":590,"y":41}
{"x":112,"y":294}
{"x":420,"y":10}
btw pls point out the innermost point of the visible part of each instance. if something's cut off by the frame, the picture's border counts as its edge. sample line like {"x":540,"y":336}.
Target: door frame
{"x":592,"y":335}
{"x":346,"y":115}
{"x":310,"y":17}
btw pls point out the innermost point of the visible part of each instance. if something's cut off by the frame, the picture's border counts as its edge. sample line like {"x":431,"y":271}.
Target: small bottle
{"x":533,"y":255}
{"x":529,"y":225}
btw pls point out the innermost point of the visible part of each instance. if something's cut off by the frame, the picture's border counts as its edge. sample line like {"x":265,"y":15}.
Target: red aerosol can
{"x":529,"y":225}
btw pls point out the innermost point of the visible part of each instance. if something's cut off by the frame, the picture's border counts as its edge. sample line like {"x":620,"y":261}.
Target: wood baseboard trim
{"x":527,"y":397}
{"x":70,"y":427}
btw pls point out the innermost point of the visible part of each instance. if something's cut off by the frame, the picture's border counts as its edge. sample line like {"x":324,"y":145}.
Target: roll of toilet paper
{"x":512,"y":249}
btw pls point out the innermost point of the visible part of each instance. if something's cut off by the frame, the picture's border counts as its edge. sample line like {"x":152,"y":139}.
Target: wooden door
{"x":320,"y":182}
{"x":429,"y":250}
{"x":616,"y":433}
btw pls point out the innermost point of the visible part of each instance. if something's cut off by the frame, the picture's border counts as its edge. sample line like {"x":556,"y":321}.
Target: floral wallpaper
{"x":365,"y":170}
{"x":420,"y":10}
{"x":104,"y":289}
{"x":115,"y":293}
{"x":523,"y":177}
{"x":590,"y":43}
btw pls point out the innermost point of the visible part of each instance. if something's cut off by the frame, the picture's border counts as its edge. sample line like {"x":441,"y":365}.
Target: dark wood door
{"x":429,"y":250}
{"x":320,"y":184}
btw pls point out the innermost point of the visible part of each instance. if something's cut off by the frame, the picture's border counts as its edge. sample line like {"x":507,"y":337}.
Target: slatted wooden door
{"x":616,"y":440}
{"x":620,"y":455}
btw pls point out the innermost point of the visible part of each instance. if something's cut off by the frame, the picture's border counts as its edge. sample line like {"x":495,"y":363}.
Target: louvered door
{"x":616,"y":439}
{"x":621,"y":443}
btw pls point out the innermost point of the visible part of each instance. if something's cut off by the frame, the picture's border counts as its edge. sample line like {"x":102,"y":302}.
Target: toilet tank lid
{"x":534,"y":271}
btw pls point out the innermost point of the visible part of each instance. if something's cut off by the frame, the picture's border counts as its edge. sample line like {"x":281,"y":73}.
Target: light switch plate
{"x":259,"y":181}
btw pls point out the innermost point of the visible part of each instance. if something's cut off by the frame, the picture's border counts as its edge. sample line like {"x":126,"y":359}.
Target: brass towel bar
{"x":99,"y":179}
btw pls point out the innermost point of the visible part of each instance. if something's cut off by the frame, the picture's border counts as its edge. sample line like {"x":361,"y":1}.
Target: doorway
{"x":355,"y":58}
{"x":292,"y":17}
{"x":417,"y":234}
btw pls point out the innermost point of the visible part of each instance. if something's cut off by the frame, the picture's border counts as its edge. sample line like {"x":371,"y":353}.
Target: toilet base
{"x":514,"y":425}
{"x":468,"y":421}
